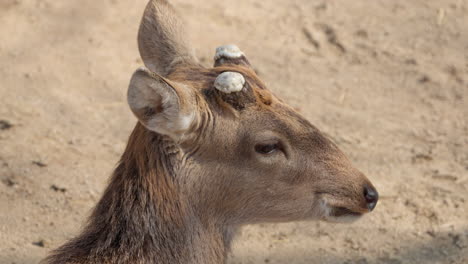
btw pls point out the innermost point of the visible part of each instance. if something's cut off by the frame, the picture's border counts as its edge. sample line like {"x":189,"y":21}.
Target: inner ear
{"x":160,"y":105}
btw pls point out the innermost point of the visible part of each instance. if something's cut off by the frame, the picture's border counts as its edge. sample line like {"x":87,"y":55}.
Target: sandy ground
{"x":388,"y":80}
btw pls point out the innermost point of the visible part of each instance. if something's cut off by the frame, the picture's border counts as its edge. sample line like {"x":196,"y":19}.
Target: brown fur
{"x":180,"y":200}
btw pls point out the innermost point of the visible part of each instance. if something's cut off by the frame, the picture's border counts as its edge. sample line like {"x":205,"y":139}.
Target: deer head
{"x":243,"y":155}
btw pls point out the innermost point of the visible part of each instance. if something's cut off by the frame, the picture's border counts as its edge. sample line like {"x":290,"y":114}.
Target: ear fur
{"x":161,"y":106}
{"x":162,"y":40}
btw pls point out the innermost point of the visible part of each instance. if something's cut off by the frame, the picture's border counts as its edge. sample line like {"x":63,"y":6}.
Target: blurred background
{"x":388,"y":80}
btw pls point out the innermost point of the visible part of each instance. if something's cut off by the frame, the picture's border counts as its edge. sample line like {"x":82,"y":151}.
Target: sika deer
{"x":213,"y":150}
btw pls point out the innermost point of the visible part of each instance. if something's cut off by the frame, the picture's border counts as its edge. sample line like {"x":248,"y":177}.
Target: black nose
{"x":372,"y":196}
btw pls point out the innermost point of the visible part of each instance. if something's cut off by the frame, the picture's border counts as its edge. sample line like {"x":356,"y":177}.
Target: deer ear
{"x":162,"y":40}
{"x":161,"y":106}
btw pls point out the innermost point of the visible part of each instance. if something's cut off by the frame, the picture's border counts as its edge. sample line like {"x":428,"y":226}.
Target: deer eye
{"x":266,"y":148}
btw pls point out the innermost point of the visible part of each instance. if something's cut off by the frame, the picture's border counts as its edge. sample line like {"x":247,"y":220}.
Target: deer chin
{"x":338,"y":214}
{"x":342,"y":215}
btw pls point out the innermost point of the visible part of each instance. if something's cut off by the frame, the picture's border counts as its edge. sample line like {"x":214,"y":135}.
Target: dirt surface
{"x":388,"y":80}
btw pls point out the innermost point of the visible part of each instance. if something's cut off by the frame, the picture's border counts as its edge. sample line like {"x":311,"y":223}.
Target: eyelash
{"x":267,"y":149}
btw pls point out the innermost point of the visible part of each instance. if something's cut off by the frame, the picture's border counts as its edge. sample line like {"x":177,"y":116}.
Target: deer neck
{"x":157,"y":211}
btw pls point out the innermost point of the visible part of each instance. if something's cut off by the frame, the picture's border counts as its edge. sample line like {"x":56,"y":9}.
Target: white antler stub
{"x":229,"y":82}
{"x":228,"y":51}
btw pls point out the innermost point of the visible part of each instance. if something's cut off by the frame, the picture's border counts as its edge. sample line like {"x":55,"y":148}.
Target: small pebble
{"x":4,"y":125}
{"x":39,"y":163}
{"x":57,"y":189}
{"x":40,"y":243}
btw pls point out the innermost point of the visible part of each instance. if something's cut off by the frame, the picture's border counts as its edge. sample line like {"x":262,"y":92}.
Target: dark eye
{"x":266,"y":148}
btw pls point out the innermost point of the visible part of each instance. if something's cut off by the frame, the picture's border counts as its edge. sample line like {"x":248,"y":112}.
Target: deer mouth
{"x":342,"y":211}
{"x":337,"y":213}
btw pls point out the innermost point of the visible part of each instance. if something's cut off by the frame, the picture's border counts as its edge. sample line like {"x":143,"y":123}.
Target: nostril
{"x":371,"y":196}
